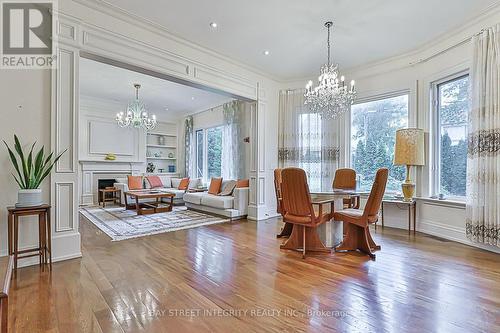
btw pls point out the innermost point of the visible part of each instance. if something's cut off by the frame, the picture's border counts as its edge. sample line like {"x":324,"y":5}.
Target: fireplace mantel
{"x":93,"y":170}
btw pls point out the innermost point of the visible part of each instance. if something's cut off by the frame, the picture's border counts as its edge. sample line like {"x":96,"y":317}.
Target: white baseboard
{"x":64,"y":247}
{"x":452,"y":233}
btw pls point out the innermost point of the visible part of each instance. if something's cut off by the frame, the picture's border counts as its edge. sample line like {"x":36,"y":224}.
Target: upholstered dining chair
{"x":356,"y":221}
{"x":286,"y":230}
{"x":298,"y":210}
{"x":345,"y":179}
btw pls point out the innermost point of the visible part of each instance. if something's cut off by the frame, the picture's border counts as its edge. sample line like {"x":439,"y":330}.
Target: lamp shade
{"x":409,"y":148}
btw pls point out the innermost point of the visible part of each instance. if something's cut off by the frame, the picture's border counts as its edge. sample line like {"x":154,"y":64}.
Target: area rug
{"x":119,"y":223}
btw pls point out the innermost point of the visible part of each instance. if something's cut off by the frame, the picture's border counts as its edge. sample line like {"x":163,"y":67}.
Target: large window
{"x":373,"y":132}
{"x":209,"y":153}
{"x":452,"y":104}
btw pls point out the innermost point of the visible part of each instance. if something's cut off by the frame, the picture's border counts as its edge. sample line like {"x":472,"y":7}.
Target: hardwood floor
{"x":234,"y":278}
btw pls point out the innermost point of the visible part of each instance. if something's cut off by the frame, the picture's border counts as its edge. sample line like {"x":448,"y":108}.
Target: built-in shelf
{"x":161,"y":158}
{"x":160,"y":146}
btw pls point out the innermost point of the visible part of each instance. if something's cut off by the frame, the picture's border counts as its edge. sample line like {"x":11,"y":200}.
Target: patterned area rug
{"x":119,"y":223}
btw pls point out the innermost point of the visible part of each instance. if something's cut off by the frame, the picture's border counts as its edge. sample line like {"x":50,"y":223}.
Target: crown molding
{"x":136,"y":20}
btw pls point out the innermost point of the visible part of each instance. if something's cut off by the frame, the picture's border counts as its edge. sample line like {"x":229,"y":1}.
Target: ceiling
{"x":108,"y":82}
{"x":293,"y":33}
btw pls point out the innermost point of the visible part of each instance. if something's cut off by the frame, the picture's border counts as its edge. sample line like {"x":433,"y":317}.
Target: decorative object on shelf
{"x":136,"y":115}
{"x":157,"y":154}
{"x":110,"y":157}
{"x":409,"y":150}
{"x":171,"y":168}
{"x":161,"y":140}
{"x":161,"y":170}
{"x":150,"y":168}
{"x":31,"y":171}
{"x":332,"y":96}
{"x":170,"y":155}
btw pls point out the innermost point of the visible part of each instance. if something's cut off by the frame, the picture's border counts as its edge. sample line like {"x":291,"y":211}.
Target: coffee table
{"x":151,"y":207}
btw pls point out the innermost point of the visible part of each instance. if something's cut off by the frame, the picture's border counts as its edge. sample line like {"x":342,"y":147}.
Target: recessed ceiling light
{"x":213,"y":25}
{"x":192,"y":98}
{"x":266,"y":52}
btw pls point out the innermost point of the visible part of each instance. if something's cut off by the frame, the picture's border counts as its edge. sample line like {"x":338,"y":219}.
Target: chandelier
{"x":332,"y":96}
{"x":136,"y":115}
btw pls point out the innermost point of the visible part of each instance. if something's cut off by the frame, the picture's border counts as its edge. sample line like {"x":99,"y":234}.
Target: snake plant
{"x":31,"y":169}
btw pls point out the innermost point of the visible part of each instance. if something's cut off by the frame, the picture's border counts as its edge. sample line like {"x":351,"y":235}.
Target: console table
{"x":410,"y":205}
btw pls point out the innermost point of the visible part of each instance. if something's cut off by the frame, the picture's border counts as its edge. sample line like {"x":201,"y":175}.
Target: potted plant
{"x":31,"y":171}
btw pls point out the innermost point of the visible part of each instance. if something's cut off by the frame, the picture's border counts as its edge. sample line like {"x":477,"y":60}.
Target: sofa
{"x":170,"y":185}
{"x":234,"y":206}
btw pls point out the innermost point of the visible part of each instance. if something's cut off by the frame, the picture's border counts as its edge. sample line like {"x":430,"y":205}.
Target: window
{"x":452,"y":105}
{"x":373,"y":132}
{"x":209,"y":153}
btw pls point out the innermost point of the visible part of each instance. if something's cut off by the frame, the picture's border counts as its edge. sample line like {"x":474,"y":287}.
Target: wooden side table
{"x":44,"y":249}
{"x":412,"y":205}
{"x":114,"y":198}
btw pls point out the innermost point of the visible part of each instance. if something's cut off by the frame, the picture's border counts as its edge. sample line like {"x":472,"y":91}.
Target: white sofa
{"x":170,"y":185}
{"x":234,"y":206}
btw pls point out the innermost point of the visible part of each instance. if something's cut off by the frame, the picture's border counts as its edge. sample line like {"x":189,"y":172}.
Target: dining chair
{"x":286,"y":230}
{"x":298,"y":210}
{"x":356,"y":221}
{"x":345,"y":179}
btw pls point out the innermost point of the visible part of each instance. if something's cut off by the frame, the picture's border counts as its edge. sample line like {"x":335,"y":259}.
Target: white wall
{"x":414,"y":72}
{"x":25,"y":95}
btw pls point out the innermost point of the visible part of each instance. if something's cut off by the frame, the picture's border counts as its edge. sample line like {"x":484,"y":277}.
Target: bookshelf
{"x":161,"y":148}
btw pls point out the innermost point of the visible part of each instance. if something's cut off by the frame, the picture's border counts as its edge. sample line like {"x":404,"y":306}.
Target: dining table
{"x":331,"y":232}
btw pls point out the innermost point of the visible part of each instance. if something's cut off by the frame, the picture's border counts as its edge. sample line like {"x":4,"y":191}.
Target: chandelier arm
{"x":328,"y":44}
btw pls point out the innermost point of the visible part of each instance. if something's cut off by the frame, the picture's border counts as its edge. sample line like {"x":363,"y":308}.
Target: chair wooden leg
{"x":357,"y":238}
{"x":286,"y":231}
{"x":304,"y":242}
{"x":305,"y":239}
{"x":372,"y":243}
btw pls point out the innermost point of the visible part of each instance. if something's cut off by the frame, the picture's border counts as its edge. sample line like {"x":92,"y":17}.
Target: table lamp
{"x":409,"y":150}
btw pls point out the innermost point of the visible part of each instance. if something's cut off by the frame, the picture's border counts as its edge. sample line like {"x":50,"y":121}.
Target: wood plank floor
{"x":233,"y":278}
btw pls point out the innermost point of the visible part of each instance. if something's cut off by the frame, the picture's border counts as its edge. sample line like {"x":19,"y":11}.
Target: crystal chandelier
{"x":136,"y":115}
{"x":332,"y":96}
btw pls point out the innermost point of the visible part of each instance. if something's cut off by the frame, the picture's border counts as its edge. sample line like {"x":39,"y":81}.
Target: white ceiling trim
{"x":131,"y":18}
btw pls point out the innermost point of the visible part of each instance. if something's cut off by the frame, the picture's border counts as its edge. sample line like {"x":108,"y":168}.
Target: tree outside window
{"x":373,"y":133}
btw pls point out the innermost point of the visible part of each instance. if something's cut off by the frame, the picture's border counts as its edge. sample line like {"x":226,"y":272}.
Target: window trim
{"x":435,"y":137}
{"x":375,"y":98}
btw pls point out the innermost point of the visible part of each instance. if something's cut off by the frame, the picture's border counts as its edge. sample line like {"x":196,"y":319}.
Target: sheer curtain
{"x":232,"y":152}
{"x":307,"y":141}
{"x":189,"y":146}
{"x":483,"y":158}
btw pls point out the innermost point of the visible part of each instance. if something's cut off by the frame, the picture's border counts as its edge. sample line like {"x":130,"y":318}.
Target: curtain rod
{"x":463,"y":41}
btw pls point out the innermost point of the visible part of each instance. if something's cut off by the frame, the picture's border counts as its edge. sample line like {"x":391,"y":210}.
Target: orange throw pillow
{"x":242,"y":183}
{"x":134,"y":182}
{"x":154,"y":181}
{"x":183,"y":185}
{"x":215,"y":185}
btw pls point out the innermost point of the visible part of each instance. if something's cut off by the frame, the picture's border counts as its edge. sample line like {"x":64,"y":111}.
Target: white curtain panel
{"x":307,"y":141}
{"x":232,"y":152}
{"x":483,"y":158}
{"x":189,"y":146}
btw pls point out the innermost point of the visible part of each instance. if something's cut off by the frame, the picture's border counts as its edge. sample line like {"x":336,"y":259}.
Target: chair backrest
{"x":277,"y":189}
{"x":344,"y":179}
{"x":295,"y":194}
{"x":377,"y":193}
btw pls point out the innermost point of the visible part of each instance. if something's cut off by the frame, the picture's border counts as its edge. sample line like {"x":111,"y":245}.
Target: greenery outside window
{"x":373,"y":131}
{"x":451,"y":106}
{"x":208,"y":153}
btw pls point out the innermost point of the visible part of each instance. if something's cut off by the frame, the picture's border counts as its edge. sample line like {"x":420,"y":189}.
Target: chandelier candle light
{"x":136,"y":115}
{"x":332,"y":96}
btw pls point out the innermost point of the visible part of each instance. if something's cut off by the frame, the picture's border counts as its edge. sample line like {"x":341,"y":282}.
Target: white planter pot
{"x":29,"y":198}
